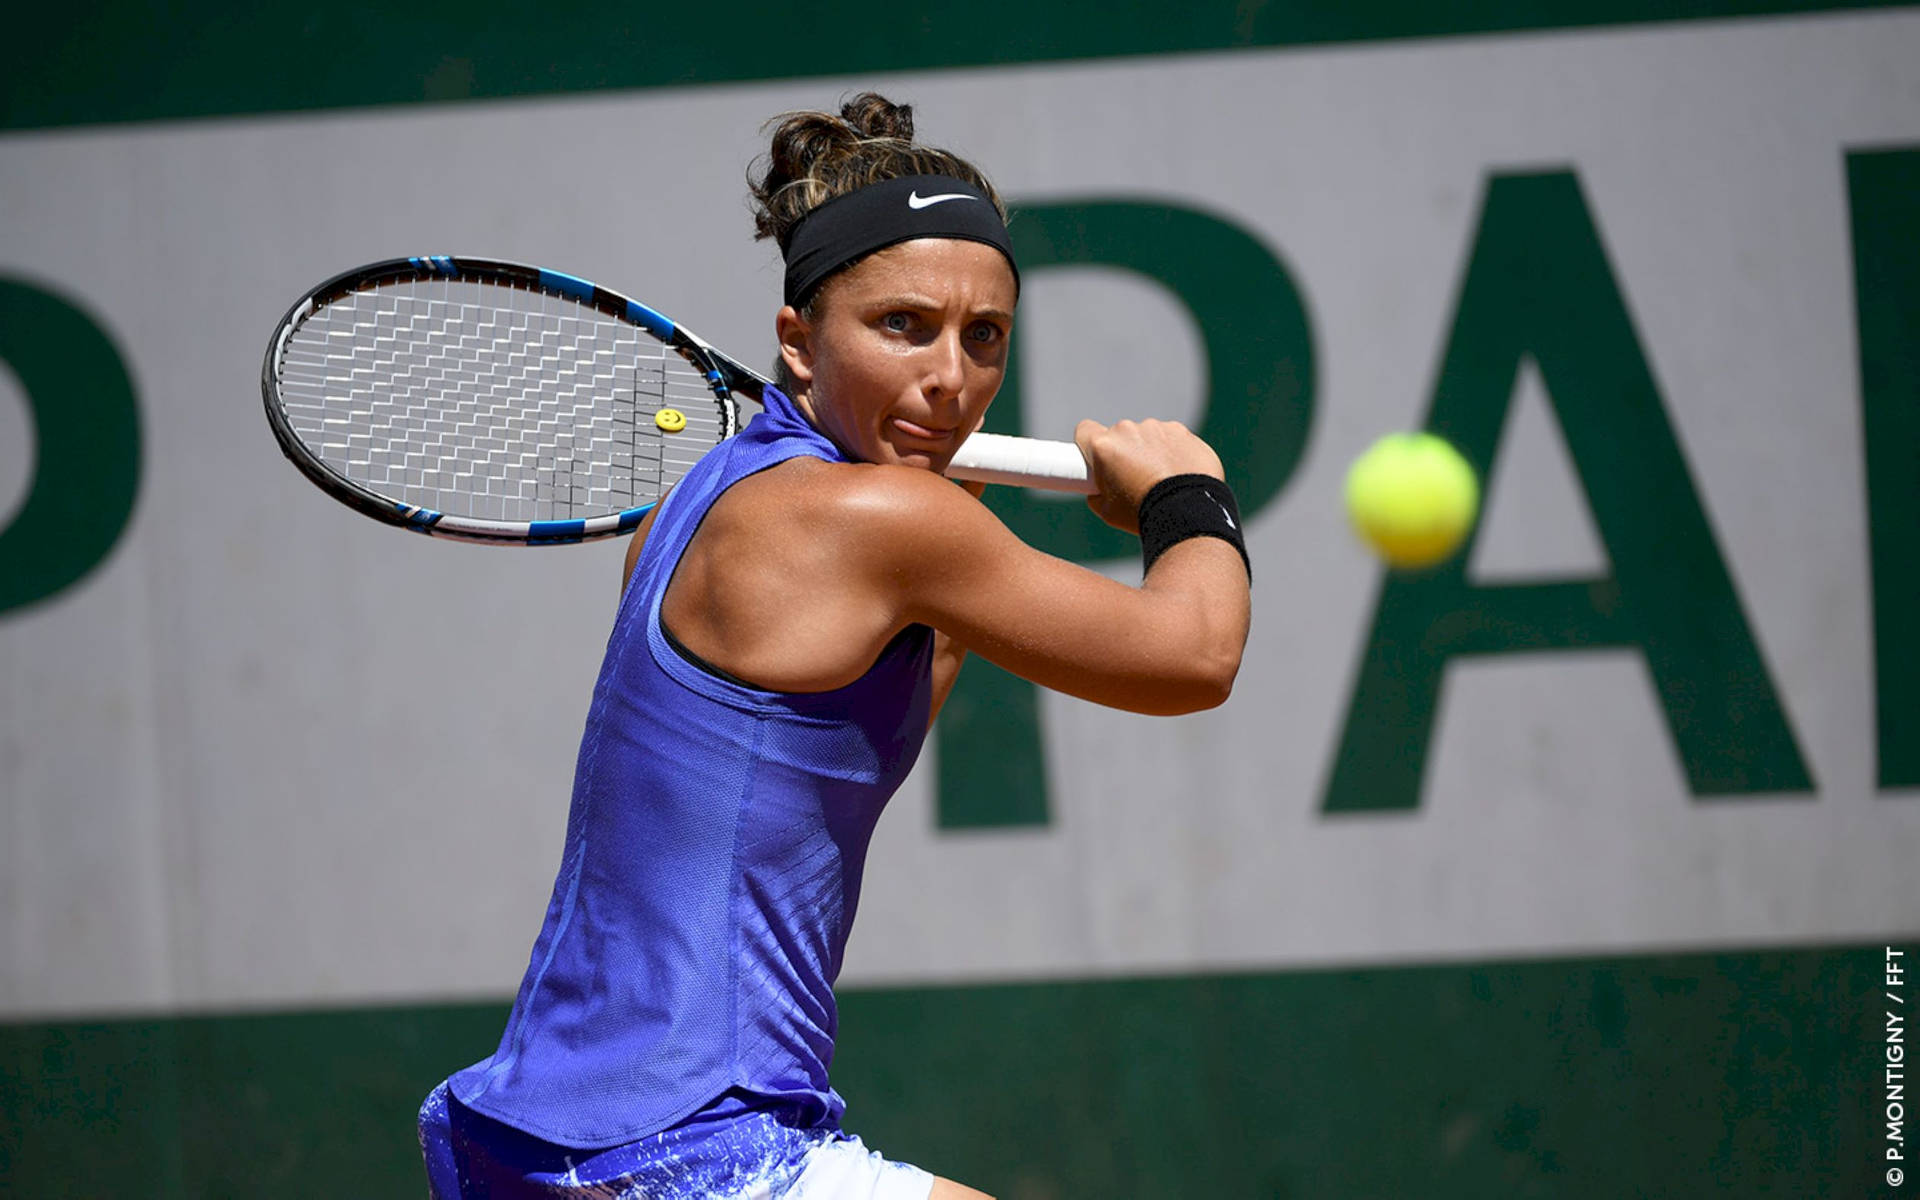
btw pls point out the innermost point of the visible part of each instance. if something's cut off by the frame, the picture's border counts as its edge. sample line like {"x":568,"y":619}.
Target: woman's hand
{"x":1126,"y":459}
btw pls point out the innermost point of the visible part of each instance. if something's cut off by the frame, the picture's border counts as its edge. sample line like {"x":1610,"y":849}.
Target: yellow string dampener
{"x":670,"y":420}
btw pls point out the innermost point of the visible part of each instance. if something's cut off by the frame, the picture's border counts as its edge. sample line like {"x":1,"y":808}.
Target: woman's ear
{"x":796,"y":344}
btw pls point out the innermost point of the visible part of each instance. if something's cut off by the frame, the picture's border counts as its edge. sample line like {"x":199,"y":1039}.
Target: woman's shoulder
{"x":862,"y":519}
{"x":818,"y":492}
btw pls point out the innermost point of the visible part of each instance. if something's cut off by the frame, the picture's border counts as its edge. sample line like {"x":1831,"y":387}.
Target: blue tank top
{"x":713,"y":856}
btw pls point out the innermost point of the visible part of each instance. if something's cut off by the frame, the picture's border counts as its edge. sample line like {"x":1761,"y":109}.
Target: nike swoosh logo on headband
{"x":916,"y":200}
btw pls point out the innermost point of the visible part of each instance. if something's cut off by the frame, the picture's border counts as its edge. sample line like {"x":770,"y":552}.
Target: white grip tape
{"x":1021,"y":462}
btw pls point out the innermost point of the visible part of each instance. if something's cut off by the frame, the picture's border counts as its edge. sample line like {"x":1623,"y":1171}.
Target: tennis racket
{"x":491,"y":401}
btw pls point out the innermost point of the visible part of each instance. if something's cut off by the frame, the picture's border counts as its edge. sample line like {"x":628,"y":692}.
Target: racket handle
{"x":1021,"y":462}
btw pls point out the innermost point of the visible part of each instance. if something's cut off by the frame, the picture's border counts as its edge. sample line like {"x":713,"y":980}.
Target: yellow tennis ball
{"x":1412,"y":498}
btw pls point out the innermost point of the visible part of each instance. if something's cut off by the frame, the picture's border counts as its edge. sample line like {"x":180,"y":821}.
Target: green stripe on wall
{"x":1750,"y":1074}
{"x":132,"y":60}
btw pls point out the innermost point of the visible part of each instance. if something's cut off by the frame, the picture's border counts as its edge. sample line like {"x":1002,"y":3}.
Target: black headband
{"x":850,"y":227}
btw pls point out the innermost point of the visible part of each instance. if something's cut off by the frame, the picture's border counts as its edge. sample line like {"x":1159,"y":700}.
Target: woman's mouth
{"x":922,"y":433}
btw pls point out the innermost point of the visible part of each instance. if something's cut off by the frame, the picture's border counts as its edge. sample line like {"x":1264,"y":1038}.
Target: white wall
{"x":272,"y":752}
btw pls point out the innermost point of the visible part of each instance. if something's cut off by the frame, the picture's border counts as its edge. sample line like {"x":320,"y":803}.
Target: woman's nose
{"x":946,"y":368}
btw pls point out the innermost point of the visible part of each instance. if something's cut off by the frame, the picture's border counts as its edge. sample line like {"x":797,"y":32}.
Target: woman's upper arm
{"x":636,"y":543}
{"x":1171,"y":645}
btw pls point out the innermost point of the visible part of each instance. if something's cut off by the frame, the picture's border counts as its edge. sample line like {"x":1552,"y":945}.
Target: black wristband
{"x":1189,"y":506}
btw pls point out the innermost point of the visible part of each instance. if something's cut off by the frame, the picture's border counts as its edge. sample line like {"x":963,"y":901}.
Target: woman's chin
{"x":924,"y":460}
{"x":917,"y":452}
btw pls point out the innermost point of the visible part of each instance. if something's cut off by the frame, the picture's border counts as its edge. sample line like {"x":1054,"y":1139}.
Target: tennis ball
{"x":1412,"y":498}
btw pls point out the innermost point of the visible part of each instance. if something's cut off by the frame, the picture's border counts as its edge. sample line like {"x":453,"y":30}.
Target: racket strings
{"x":492,"y":402}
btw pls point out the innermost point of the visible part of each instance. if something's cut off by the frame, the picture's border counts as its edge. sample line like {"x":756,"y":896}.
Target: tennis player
{"x":792,"y":618}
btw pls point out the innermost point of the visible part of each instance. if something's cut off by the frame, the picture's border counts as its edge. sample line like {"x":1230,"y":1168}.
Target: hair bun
{"x":813,"y":157}
{"x":874,"y":116}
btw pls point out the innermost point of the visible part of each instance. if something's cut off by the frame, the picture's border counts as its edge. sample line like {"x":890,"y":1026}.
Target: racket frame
{"x":723,"y":375}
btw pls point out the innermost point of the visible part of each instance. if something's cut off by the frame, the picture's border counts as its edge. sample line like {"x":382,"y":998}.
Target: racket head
{"x":493,"y":401}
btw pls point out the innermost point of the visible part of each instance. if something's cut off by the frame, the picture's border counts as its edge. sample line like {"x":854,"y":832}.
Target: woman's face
{"x":906,"y":349}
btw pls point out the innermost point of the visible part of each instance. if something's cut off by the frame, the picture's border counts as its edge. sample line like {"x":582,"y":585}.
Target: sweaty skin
{"x":802,"y":574}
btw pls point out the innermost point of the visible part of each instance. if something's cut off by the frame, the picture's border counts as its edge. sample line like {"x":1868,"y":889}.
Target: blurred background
{"x":1567,"y":868}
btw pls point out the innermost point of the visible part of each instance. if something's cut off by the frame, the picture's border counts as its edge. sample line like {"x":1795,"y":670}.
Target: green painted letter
{"x":1539,"y":286}
{"x":87,"y":468}
{"x":1884,"y":187}
{"x":1259,"y":404}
